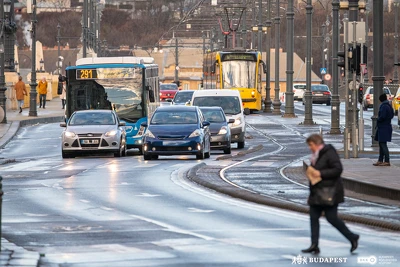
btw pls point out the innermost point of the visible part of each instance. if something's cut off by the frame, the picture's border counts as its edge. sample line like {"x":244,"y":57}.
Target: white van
{"x":231,"y":102}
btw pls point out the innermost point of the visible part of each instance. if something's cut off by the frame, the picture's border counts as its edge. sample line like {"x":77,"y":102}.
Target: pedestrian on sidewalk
{"x":63,"y":95}
{"x":328,"y":193}
{"x":384,"y":130}
{"x":42,"y":89}
{"x":20,"y":93}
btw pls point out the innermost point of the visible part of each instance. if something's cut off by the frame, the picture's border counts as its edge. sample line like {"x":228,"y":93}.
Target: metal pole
{"x":1,"y":200}
{"x":367,"y":10}
{"x":212,"y":39}
{"x":259,"y":47}
{"x":33,"y":84}
{"x":379,"y":76}
{"x":308,"y":117}
{"x":353,"y":10}
{"x":84,"y":28}
{"x":244,"y":30}
{"x":361,"y":119}
{"x":58,"y":49}
{"x":9,"y":41}
{"x":347,"y":104}
{"x":289,"y":99}
{"x":354,"y":130}
{"x":267,"y":101}
{"x":2,"y":77}
{"x":176,"y":61}
{"x":335,"y":108}
{"x":323,"y":48}
{"x":277,"y":102}
{"x":253,"y":24}
{"x":396,"y":42}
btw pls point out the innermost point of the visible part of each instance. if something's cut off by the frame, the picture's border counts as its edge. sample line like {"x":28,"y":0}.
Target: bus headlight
{"x":111,"y":133}
{"x":223,"y":130}
{"x":253,"y":94}
{"x":141,"y":131}
{"x":70,"y":134}
{"x":237,"y":122}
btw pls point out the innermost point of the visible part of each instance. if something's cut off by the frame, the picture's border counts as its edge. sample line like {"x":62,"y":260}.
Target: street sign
{"x":327,"y":77}
{"x":360,"y":33}
{"x":322,"y":71}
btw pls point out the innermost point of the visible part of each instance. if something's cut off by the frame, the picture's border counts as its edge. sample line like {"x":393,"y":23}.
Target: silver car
{"x":93,"y":131}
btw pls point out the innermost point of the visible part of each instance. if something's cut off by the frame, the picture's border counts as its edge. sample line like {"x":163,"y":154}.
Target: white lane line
{"x":146,"y":195}
{"x":35,"y":214}
{"x":84,"y":200}
{"x":106,"y":208}
{"x":171,"y":228}
{"x":195,"y":210}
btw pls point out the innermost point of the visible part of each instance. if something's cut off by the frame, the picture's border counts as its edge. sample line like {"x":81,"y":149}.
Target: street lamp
{"x":308,"y":117}
{"x":33,"y":84}
{"x":396,"y":41}
{"x":2,"y":77}
{"x":277,"y":103}
{"x":289,"y":99}
{"x":267,"y":101}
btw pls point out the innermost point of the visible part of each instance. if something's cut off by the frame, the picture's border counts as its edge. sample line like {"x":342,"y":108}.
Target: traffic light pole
{"x":347,"y":106}
{"x":335,"y":108}
{"x":354,"y":130}
{"x":361,"y":119}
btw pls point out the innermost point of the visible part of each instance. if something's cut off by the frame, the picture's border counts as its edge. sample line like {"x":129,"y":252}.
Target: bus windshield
{"x":123,"y":95}
{"x":239,"y":74}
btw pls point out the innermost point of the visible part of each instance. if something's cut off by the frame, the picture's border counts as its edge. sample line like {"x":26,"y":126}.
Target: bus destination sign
{"x":238,"y":56}
{"x":106,"y":73}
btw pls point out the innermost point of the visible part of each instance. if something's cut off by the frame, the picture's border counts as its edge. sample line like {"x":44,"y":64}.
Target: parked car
{"x":369,"y":96}
{"x":231,"y":102}
{"x":219,"y":128}
{"x":320,"y":94}
{"x":93,"y":131}
{"x":396,"y":102}
{"x":183,"y":97}
{"x":177,"y":130}
{"x":299,"y":90}
{"x":168,"y":91}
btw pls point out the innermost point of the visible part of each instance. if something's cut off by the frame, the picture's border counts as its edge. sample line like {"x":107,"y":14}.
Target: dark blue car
{"x":177,"y":130}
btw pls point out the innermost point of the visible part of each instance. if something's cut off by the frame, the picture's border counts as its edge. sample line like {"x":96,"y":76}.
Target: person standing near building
{"x":384,"y":130}
{"x":20,"y":93}
{"x":63,"y":95}
{"x":42,"y":90}
{"x":326,"y":191}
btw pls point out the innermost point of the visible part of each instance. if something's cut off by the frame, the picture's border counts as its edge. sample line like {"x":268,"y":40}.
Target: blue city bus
{"x":127,"y":85}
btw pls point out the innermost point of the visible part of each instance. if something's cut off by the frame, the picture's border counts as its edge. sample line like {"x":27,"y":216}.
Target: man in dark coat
{"x":326,"y":162}
{"x":384,"y":130}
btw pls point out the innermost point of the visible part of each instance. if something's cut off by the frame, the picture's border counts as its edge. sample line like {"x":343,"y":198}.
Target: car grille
{"x":90,"y":135}
{"x":173,"y":137}
{"x":75,"y":143}
{"x":104,"y":143}
{"x":172,"y":148}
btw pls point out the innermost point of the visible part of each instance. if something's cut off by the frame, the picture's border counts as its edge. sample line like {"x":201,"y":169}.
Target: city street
{"x":105,"y":211}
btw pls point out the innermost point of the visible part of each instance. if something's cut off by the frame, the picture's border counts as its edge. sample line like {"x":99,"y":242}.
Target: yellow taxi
{"x":396,"y":101}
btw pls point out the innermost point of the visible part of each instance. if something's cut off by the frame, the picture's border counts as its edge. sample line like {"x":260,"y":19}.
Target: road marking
{"x":84,"y":200}
{"x":146,"y":165}
{"x":147,"y":195}
{"x":35,"y":215}
{"x":195,"y":210}
{"x":106,"y":208}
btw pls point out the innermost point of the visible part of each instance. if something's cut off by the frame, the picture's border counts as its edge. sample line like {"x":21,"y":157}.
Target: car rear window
{"x":183,"y":97}
{"x":170,"y":86}
{"x":230,"y":104}
{"x":385,"y":91}
{"x":300,"y":86}
{"x":320,"y":88}
{"x":174,"y":117}
{"x":213,"y":116}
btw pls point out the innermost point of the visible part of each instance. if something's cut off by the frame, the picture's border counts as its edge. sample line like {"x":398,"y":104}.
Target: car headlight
{"x":111,"y":133}
{"x":237,"y":122}
{"x":195,"y":133}
{"x":223,"y":130}
{"x":70,"y":134}
{"x":149,"y":134}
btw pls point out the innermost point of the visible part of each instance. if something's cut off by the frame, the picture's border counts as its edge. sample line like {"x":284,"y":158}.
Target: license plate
{"x":89,"y":142}
{"x":168,"y":94}
{"x":318,"y":94}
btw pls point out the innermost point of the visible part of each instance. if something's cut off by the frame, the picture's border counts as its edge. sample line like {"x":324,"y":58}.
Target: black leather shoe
{"x":354,"y":243}
{"x":313,"y":249}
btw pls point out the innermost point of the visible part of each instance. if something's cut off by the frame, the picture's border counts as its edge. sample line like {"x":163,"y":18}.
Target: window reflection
{"x":239,"y":74}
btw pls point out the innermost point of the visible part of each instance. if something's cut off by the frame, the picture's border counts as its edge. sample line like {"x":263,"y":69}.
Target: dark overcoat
{"x":384,"y":124}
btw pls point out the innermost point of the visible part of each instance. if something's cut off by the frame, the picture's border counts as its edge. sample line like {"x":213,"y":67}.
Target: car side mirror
{"x":188,"y":103}
{"x":144,"y":124}
{"x":231,"y":120}
{"x":122,"y":124}
{"x":63,"y":124}
{"x":206,"y":123}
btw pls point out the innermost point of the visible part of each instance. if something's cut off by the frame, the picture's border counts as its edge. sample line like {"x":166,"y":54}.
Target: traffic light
{"x":341,"y":63}
{"x":360,"y":93}
{"x":355,"y":59}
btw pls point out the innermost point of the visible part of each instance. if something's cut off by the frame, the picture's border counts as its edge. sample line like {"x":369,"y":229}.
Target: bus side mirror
{"x":151,"y":96}
{"x":264,"y":67}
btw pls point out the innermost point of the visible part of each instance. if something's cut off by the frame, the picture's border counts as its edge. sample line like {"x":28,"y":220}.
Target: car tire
{"x":155,"y":157}
{"x":240,"y":145}
{"x":228,"y":150}
{"x":201,"y":155}
{"x":207,"y":155}
{"x":125,"y":150}
{"x":328,"y":103}
{"x":246,"y":111}
{"x":147,"y":156}
{"x":66,"y":155}
{"x":304,"y":103}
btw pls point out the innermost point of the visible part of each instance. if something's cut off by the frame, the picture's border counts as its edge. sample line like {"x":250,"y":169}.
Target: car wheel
{"x":240,"y":145}
{"x":124,"y":151}
{"x":304,"y":103}
{"x":207,"y":155}
{"x":66,"y":155}
{"x":201,"y":155}
{"x":228,"y":150}
{"x":328,"y":103}
{"x":120,"y":151}
{"x":246,"y":111}
{"x":154,"y":157}
{"x":147,"y":156}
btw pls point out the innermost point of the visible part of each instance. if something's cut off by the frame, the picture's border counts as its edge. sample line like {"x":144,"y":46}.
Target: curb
{"x":368,"y":188}
{"x":241,"y":153}
{"x":15,"y":125}
{"x":218,"y":185}
{"x":13,"y":255}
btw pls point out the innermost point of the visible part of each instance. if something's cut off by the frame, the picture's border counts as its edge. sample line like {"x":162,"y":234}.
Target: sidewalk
{"x":11,"y":254}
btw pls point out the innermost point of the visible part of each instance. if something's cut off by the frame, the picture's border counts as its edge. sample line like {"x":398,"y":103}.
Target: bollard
{"x":1,"y":202}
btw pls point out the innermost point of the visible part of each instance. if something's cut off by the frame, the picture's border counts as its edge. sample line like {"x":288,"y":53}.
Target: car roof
{"x":94,"y":111}
{"x":211,"y":108}
{"x":186,"y":91}
{"x":177,"y":108}
{"x":216,"y":92}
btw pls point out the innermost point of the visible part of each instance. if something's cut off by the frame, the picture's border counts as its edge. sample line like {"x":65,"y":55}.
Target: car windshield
{"x":319,"y":88}
{"x":239,"y":74}
{"x":230,"y":104}
{"x":214,"y":116}
{"x":170,"y":86}
{"x":174,"y":117}
{"x":183,"y":97}
{"x":92,"y":118}
{"x":300,"y":86}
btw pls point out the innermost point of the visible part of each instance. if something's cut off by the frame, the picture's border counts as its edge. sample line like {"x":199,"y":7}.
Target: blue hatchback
{"x":177,"y":130}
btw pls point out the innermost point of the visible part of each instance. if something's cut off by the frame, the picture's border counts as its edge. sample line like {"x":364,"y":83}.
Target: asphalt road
{"x":103,"y":211}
